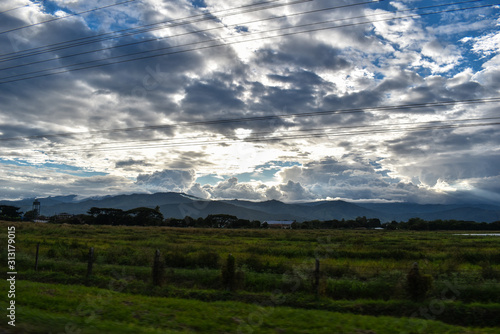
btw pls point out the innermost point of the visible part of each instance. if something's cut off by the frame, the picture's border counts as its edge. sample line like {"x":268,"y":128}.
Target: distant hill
{"x":177,"y":205}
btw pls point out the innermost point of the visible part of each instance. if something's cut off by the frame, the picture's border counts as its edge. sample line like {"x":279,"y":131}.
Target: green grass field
{"x":361,"y":287}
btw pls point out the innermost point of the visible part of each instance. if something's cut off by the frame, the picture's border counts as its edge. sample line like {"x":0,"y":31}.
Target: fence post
{"x":316,"y":277}
{"x":36,"y":256}
{"x":157,"y":269}
{"x":91,"y":260}
{"x":229,"y":273}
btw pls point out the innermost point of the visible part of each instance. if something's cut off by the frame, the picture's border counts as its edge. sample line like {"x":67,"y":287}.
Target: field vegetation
{"x":252,"y":280}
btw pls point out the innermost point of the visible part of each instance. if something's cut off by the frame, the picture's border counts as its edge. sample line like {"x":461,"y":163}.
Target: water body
{"x":480,"y":234}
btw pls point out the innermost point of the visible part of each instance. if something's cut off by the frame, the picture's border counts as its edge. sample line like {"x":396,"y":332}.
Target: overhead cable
{"x":136,"y":30}
{"x":393,"y":108}
{"x":16,"y":77}
{"x":64,"y":17}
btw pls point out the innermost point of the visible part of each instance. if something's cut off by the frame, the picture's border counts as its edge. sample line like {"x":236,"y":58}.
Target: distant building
{"x":284,"y":224}
{"x":64,"y":216}
{"x":36,"y":208}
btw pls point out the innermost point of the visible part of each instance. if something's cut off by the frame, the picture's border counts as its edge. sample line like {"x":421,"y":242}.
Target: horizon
{"x":179,"y":206}
{"x":79,"y":198}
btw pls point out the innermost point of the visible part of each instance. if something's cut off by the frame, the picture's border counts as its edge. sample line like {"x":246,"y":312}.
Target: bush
{"x":208,"y":259}
{"x":254,"y":263}
{"x":487,"y":271}
{"x":176,"y":259}
{"x":417,"y":285}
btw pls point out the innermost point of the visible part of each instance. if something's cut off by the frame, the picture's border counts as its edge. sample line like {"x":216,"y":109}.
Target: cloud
{"x":18,"y":181}
{"x":130,"y":163}
{"x":349,"y":178}
{"x":167,"y":180}
{"x":129,"y":122}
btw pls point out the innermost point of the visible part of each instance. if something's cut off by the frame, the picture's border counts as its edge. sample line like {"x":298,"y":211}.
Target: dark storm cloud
{"x":352,"y":101}
{"x":303,"y":53}
{"x":443,"y":141}
{"x":211,"y":99}
{"x":452,"y":168}
{"x":290,"y":100}
{"x":187,"y":160}
{"x":298,"y":78}
{"x":130,"y":163}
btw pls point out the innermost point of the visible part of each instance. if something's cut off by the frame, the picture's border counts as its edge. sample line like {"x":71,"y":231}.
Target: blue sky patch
{"x":49,"y":7}
{"x":264,"y":173}
{"x":198,"y":3}
{"x":211,"y":179}
{"x":60,"y":168}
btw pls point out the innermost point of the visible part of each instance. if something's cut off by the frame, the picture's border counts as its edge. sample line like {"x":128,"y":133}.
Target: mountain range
{"x":178,"y":205}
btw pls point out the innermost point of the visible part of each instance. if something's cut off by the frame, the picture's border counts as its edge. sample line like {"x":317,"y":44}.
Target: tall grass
{"x":355,"y":265}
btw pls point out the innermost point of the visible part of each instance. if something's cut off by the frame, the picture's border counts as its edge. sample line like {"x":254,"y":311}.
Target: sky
{"x":297,"y":100}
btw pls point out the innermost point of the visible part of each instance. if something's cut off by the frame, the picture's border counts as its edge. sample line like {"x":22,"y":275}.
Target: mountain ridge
{"x":179,"y":205}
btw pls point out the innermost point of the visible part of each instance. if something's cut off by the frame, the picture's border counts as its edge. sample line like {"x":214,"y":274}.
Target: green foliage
{"x":488,"y":272}
{"x":362,"y":271}
{"x":45,"y":308}
{"x":11,"y":213}
{"x":417,"y":285}
{"x":354,"y":289}
{"x":207,"y":259}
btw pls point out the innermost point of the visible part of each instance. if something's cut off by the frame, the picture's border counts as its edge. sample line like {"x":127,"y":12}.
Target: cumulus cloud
{"x":167,"y":180}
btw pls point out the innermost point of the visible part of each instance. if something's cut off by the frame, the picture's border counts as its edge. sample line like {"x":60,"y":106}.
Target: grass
{"x":54,"y":308}
{"x":363,"y":274}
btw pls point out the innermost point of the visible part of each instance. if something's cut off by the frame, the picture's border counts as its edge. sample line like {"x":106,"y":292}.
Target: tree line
{"x":144,"y":216}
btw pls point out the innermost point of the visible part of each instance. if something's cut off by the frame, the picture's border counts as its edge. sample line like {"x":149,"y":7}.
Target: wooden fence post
{"x":316,"y":277}
{"x":36,"y":256}
{"x":91,"y":260}
{"x":157,"y":269}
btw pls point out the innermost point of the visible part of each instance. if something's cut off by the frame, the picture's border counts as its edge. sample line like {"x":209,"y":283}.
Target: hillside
{"x":177,"y":205}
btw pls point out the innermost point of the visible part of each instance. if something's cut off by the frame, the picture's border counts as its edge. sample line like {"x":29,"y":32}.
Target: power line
{"x":12,"y":9}
{"x":64,"y":17}
{"x":300,"y":134}
{"x":402,"y":107}
{"x":221,"y":44}
{"x":274,"y":139}
{"x":184,"y":34}
{"x":132,"y":31}
{"x":202,"y":19}
{"x":276,"y":136}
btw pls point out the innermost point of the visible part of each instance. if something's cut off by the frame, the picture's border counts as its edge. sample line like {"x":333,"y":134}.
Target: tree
{"x":9,"y":212}
{"x":221,"y":220}
{"x":30,"y":215}
{"x":145,"y":216}
{"x":107,"y":216}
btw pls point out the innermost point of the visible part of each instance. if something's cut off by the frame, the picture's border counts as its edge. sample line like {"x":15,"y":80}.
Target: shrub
{"x":487,"y":271}
{"x":177,"y":259}
{"x":417,"y":285}
{"x":254,"y":263}
{"x":208,"y":259}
